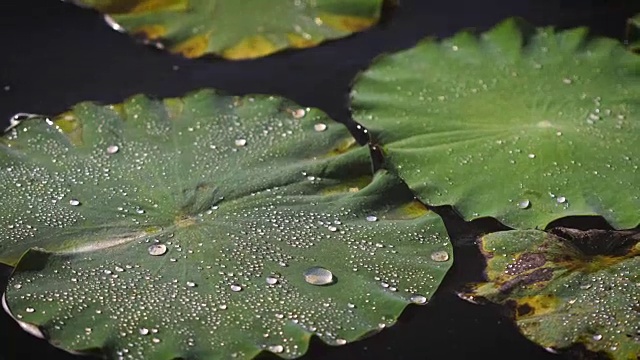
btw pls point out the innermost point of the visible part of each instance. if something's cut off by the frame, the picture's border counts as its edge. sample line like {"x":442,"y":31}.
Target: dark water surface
{"x":54,"y":55}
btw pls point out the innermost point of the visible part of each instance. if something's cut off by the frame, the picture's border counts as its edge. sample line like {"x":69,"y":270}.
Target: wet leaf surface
{"x":568,"y":286}
{"x":237,"y":29}
{"x":524,"y":125}
{"x":207,"y":226}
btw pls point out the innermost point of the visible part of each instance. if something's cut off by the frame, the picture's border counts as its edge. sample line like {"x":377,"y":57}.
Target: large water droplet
{"x":112,"y":149}
{"x":143,"y":331}
{"x":561,"y":199}
{"x":157,"y":249}
{"x":235,"y":287}
{"x":418,"y":299}
{"x":276,"y":349}
{"x":74,"y":202}
{"x":372,"y":218}
{"x":272,"y":280}
{"x":299,"y":113}
{"x":191,"y":284}
{"x":524,"y":204}
{"x":440,"y":256}
{"x":30,"y":310}
{"x":318,"y":276}
{"x":319,"y":127}
{"x":241,"y":142}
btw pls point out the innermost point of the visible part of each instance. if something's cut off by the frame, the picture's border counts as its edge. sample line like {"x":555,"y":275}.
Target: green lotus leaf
{"x":568,"y":286}
{"x":238,"y":29}
{"x":525,"y":127}
{"x":207,"y":227}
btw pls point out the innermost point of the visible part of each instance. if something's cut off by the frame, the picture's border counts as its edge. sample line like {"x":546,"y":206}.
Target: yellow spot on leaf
{"x":299,"y":42}
{"x":536,"y":305}
{"x":193,"y":47}
{"x":151,"y":32}
{"x":174,"y":107}
{"x":136,"y":6}
{"x":157,"y":5}
{"x":344,"y":146}
{"x":351,"y":185}
{"x":346,"y":23}
{"x":412,"y":210}
{"x":71,"y":126}
{"x":182,"y":222}
{"x":250,"y":48}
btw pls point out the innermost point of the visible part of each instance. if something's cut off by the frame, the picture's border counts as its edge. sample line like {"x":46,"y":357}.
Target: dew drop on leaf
{"x":561,"y":199}
{"x":440,"y":256}
{"x":318,"y":276}
{"x":144,"y":331}
{"x":319,"y":127}
{"x":236,"y":287}
{"x":372,"y":218}
{"x":299,"y":113}
{"x":112,"y":149}
{"x":74,"y":202}
{"x":418,"y":299}
{"x":272,"y":280}
{"x":30,"y":310}
{"x":157,"y":249}
{"x":191,"y":284}
{"x":524,"y":204}
{"x":241,"y":142}
{"x":276,"y":349}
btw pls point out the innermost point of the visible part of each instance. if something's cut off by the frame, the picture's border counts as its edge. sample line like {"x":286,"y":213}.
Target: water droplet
{"x":440,"y":256}
{"x":567,"y":81}
{"x":30,"y":310}
{"x":372,"y":218}
{"x":332,"y":228}
{"x":597,"y":337}
{"x":241,"y":142}
{"x":418,"y":299}
{"x":74,"y":202}
{"x":157,"y":249}
{"x":139,"y":211}
{"x":112,"y":149}
{"x":155,"y":340}
{"x":272,"y":280}
{"x":561,"y":199}
{"x":299,"y":113}
{"x":318,"y":276}
{"x":320,"y":127}
{"x":532,"y":156}
{"x":191,"y":284}
{"x":524,"y":204}
{"x":144,"y":331}
{"x":236,"y":287}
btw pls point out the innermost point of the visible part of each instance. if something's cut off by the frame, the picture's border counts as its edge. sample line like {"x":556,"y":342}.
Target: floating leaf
{"x":238,"y":29}
{"x":197,"y":228}
{"x":568,"y":286}
{"x":523,"y":128}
